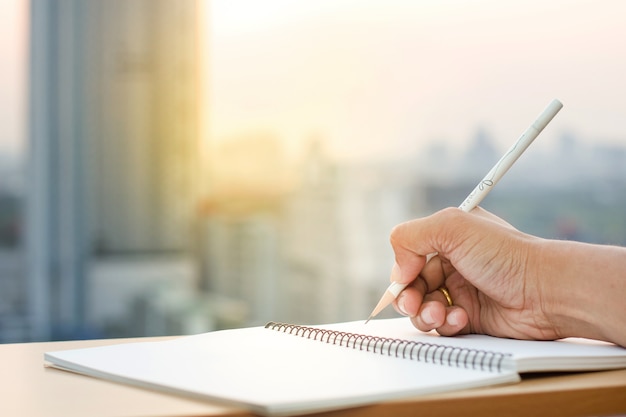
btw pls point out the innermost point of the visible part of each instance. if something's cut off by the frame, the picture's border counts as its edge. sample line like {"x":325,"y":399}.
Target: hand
{"x":504,"y":282}
{"x":490,"y":271}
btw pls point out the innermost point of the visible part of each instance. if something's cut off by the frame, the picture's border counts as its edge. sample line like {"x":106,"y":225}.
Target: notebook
{"x":286,"y":369}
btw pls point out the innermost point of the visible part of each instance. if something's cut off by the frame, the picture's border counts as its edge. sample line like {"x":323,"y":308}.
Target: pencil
{"x":484,"y":186}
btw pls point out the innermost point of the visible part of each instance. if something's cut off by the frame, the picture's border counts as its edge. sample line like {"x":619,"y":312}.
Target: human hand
{"x":487,"y":267}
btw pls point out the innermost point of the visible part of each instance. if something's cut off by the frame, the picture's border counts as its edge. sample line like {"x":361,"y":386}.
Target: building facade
{"x":112,"y":144}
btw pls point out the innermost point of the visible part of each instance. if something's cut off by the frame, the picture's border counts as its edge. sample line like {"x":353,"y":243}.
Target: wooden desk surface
{"x":28,"y":389}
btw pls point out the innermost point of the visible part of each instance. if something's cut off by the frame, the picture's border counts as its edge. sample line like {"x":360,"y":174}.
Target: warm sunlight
{"x":13,"y":75}
{"x":171,"y":167}
{"x":382,"y":79}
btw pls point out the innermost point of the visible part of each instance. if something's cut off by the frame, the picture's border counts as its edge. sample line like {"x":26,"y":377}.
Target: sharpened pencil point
{"x":386,"y":299}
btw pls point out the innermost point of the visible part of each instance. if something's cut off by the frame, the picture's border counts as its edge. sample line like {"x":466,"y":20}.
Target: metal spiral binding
{"x":400,"y":348}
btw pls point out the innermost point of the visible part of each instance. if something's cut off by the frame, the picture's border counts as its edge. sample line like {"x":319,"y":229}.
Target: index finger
{"x":412,"y":243}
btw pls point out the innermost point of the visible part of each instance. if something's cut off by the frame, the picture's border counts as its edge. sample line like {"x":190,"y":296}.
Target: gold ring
{"x":446,"y":294}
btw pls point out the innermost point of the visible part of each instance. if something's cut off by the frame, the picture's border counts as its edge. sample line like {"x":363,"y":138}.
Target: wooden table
{"x":28,"y":389}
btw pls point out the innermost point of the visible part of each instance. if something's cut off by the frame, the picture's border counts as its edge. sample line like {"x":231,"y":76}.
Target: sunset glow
{"x":384,"y":78}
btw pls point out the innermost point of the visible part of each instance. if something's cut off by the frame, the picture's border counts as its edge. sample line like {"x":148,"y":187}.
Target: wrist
{"x":578,"y":289}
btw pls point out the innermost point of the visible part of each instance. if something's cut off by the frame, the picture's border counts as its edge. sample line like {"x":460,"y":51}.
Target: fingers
{"x":430,"y":310}
{"x":447,"y":321}
{"x":453,"y":235}
{"x":410,"y":259}
{"x":432,"y":276}
{"x":410,"y":299}
{"x":413,"y":241}
{"x":436,"y":314}
{"x":435,"y":273}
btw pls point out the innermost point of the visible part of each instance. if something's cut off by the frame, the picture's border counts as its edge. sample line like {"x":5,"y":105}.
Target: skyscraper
{"x":113,"y":142}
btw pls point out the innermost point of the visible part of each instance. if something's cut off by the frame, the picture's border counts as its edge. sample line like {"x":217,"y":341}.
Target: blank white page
{"x":270,"y":372}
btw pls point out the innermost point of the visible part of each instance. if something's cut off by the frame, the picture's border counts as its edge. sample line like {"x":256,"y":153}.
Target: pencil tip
{"x":386,"y":299}
{"x":368,"y":319}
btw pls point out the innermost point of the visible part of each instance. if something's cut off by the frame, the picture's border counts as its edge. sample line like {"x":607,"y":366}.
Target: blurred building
{"x":113,"y":146}
{"x":13,"y":326}
{"x":112,"y":174}
{"x":305,"y":245}
{"x":242,"y":216}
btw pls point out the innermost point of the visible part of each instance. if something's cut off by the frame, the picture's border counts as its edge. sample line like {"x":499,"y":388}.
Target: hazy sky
{"x":384,"y":77}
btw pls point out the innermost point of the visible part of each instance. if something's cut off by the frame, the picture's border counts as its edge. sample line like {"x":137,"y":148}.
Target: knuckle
{"x":396,"y":233}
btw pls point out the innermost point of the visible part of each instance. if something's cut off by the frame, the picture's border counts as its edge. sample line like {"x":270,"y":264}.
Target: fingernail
{"x":401,"y":307}
{"x":452,"y":319}
{"x":427,"y":316}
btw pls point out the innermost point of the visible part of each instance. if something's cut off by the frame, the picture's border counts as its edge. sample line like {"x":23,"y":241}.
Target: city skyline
{"x":269,"y":255}
{"x":232,"y":164}
{"x":194,"y":167}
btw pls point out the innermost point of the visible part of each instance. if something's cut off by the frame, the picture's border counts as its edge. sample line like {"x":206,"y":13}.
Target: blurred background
{"x":174,"y":167}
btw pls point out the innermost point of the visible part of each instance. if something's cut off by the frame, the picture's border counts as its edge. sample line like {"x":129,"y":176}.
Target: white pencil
{"x":485,"y":186}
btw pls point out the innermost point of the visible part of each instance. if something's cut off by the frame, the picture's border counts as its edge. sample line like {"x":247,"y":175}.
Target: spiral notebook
{"x":287,"y":369}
